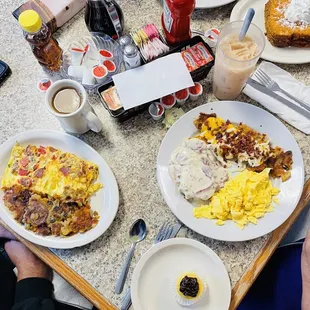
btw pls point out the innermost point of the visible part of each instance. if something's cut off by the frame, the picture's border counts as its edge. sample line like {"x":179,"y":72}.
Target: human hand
{"x":6,"y":234}
{"x":305,"y":273}
{"x":27,"y":264}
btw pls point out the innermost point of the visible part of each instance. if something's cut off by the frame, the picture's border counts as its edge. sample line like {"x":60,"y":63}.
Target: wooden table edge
{"x":72,"y":277}
{"x":256,"y":266}
{"x":238,"y":292}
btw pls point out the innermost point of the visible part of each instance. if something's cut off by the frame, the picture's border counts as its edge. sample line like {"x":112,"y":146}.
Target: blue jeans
{"x":279,"y":285}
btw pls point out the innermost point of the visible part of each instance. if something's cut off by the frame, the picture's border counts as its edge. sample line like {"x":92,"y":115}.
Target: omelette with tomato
{"x":48,"y":191}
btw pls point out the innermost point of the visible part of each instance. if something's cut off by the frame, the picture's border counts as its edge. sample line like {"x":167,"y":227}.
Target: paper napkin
{"x":291,"y":85}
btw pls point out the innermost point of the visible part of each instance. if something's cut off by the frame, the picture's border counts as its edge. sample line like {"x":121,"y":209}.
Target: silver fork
{"x":165,"y":232}
{"x":274,"y":86}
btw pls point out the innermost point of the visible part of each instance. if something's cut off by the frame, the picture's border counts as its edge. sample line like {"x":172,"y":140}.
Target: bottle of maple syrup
{"x":44,"y":47}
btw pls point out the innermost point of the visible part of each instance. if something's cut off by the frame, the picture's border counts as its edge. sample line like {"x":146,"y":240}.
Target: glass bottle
{"x":44,"y":47}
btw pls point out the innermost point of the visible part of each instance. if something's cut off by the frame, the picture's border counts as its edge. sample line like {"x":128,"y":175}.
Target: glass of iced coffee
{"x":235,"y":60}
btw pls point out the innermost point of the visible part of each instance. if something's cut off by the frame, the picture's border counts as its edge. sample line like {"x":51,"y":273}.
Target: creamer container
{"x":156,"y":110}
{"x":181,"y":96}
{"x":44,"y":47}
{"x":100,"y":73}
{"x":195,"y":91}
{"x":176,"y":20}
{"x":168,"y":101}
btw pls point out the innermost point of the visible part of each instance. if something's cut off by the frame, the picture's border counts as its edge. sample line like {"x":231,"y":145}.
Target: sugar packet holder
{"x":150,"y":42}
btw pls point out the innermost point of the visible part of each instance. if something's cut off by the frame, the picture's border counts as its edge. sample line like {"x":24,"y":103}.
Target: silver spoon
{"x":246,"y":24}
{"x":137,"y":233}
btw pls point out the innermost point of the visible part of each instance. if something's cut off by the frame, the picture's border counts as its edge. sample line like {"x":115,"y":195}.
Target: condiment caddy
{"x":202,"y":57}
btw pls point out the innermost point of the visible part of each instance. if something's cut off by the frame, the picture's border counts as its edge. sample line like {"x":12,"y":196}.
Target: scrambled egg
{"x":243,"y":199}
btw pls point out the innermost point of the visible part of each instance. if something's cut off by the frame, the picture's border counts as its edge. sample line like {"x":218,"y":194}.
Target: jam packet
{"x":196,"y":56}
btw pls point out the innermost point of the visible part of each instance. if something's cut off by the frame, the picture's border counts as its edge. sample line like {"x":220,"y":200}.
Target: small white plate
{"x":286,"y":55}
{"x":152,"y":285}
{"x":105,"y":201}
{"x":259,"y":120}
{"x":208,"y":4}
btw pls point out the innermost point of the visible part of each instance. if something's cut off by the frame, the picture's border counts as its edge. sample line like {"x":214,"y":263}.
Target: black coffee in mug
{"x":66,"y":100}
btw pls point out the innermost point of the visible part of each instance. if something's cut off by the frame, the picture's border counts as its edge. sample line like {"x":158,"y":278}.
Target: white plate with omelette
{"x":59,"y":177}
{"x":262,"y":122}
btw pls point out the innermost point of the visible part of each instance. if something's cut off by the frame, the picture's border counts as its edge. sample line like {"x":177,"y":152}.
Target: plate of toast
{"x":286,"y":24}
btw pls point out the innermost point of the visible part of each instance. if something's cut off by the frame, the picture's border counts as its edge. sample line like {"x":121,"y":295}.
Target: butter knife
{"x":272,"y":94}
{"x":126,"y":302}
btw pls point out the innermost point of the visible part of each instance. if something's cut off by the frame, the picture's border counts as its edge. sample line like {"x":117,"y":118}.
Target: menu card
{"x":152,"y":81}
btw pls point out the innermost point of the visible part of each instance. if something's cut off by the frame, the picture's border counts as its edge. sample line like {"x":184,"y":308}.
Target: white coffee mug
{"x":79,"y":121}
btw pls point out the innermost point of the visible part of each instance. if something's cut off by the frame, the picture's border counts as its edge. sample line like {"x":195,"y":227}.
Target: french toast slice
{"x":280,"y":32}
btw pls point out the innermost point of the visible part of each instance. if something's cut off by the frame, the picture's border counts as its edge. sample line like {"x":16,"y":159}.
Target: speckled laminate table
{"x":129,"y":148}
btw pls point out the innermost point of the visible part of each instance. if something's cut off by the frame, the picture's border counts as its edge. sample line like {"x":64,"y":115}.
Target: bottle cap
{"x":130,"y":50}
{"x":30,"y":21}
{"x":124,"y":40}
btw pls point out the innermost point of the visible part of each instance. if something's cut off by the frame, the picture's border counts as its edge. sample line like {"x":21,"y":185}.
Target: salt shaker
{"x":131,"y":57}
{"x":124,"y":40}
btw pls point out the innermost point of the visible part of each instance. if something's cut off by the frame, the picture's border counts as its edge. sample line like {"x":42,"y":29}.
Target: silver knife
{"x":126,"y":302}
{"x":272,"y":94}
{"x":175,"y":230}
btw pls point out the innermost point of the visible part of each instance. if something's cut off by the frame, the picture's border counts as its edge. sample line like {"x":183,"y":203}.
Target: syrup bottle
{"x":44,"y":47}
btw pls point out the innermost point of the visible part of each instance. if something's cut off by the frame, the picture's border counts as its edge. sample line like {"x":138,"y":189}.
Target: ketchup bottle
{"x":176,"y":20}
